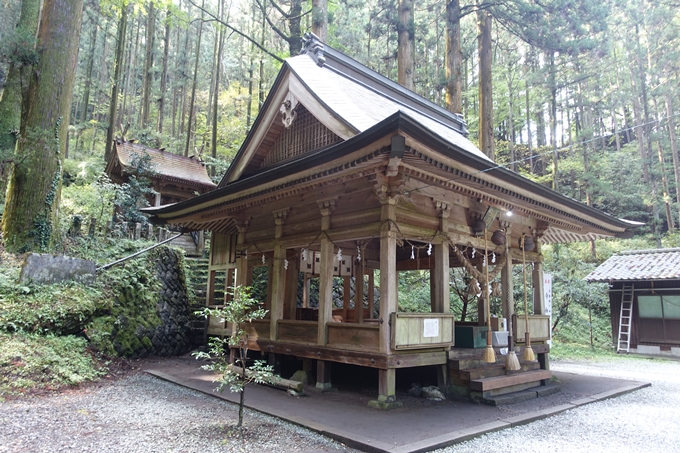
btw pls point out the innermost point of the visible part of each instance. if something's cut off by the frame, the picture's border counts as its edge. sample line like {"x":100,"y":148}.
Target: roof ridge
{"x":648,"y":251}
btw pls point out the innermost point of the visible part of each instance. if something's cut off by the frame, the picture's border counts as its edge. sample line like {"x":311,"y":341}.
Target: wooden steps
{"x":509,"y":380}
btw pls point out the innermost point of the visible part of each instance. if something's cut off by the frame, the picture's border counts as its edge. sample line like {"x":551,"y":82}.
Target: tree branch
{"x":239,"y":32}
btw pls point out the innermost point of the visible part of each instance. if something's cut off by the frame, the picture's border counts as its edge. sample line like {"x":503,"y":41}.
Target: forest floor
{"x":130,"y":411}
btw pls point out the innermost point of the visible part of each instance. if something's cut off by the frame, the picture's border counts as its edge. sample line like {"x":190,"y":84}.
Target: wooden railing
{"x":359,"y":337}
{"x":304,"y":332}
{"x":422,"y":330}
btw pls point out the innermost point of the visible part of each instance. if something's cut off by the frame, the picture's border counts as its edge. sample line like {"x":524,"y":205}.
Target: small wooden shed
{"x":175,"y":178}
{"x":644,"y":296}
{"x":346,"y":175}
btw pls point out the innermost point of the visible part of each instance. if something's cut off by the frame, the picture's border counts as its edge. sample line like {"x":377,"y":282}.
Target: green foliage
{"x":19,"y":47}
{"x":29,"y":361}
{"x":134,"y":194}
{"x":57,"y":309}
{"x":242,"y":308}
{"x":132,"y":288}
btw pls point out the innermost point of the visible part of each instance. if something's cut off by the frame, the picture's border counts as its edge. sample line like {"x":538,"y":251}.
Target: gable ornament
{"x":287,"y":110}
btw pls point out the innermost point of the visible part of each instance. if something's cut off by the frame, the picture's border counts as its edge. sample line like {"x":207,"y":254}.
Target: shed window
{"x":671,"y":307}
{"x":650,"y":307}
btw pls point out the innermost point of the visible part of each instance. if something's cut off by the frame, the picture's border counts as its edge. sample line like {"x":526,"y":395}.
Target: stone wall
{"x":142,"y":323}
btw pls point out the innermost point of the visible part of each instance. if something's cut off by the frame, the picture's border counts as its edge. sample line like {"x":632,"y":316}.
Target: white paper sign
{"x":547,"y":298}
{"x":430,"y":328}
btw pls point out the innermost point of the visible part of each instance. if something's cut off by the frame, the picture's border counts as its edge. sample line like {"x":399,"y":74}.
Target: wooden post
{"x":305,"y":291}
{"x":291,"y":287}
{"x":371,"y":293}
{"x":441,"y":298}
{"x":345,"y":298}
{"x":388,"y":273}
{"x":359,"y":291}
{"x":537,"y":282}
{"x":508,"y":301}
{"x":201,"y":242}
{"x":157,"y":199}
{"x":325,"y":273}
{"x":323,"y":374}
{"x":241,"y":278}
{"x":481,"y":306}
{"x":277,"y":276}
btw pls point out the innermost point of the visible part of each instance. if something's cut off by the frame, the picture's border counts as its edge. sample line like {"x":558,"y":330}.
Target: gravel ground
{"x":642,"y":421}
{"x":141,"y":413}
{"x":144,"y":414}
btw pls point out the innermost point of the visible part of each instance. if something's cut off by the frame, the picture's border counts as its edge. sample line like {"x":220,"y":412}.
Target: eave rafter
{"x":360,"y":167}
{"x":450,"y":182}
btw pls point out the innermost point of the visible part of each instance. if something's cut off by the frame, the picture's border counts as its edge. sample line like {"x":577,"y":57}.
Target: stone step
{"x":523,"y":395}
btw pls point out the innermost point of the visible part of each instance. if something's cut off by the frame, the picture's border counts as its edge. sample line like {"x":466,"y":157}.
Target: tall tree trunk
{"x":31,"y":213}
{"x":674,"y":146}
{"x":216,"y":99}
{"x":320,"y":19}
{"x":18,"y":78}
{"x":553,"y":116}
{"x":454,"y":58}
{"x":405,"y":52}
{"x":164,"y":75}
{"x":145,"y":114}
{"x":88,"y":73}
{"x":193,"y":85}
{"x":511,"y":122}
{"x":294,"y":40}
{"x":486,"y":143}
{"x":117,"y":64}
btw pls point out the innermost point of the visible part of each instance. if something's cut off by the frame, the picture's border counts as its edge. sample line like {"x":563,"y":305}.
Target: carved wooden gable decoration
{"x":304,"y":134}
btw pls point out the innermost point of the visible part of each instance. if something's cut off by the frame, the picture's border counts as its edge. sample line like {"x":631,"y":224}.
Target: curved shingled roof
{"x":654,"y":264}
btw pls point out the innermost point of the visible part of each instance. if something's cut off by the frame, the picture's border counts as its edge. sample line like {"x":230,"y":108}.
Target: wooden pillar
{"x":481,"y":306}
{"x":345,"y":298}
{"x":371,"y":293}
{"x":388,"y":273}
{"x":325,"y":272}
{"x":507,"y":301}
{"x":277,"y":276}
{"x":387,"y":380}
{"x":241,"y":278}
{"x":157,"y":199}
{"x":359,"y":291}
{"x":537,"y":282}
{"x":305,"y":292}
{"x":292,"y":287}
{"x":323,"y":375}
{"x":440,"y":280}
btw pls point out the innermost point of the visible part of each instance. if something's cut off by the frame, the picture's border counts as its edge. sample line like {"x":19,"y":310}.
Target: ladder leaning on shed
{"x":625,"y":316}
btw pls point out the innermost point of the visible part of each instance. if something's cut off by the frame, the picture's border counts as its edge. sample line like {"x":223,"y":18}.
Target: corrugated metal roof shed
{"x":655,"y":264}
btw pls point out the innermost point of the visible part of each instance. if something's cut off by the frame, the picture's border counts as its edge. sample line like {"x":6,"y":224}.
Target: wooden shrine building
{"x":346,"y":173}
{"x":644,"y":296}
{"x":175,"y":177}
